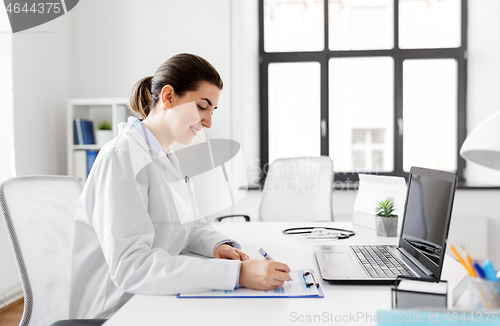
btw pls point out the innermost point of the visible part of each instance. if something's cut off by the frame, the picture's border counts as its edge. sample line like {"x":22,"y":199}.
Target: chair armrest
{"x":218,"y":219}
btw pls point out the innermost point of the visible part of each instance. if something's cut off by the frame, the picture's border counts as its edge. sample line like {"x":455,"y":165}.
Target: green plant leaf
{"x":385,"y":208}
{"x":104,"y":126}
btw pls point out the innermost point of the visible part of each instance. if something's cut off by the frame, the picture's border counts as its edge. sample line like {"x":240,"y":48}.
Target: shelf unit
{"x":114,"y":110}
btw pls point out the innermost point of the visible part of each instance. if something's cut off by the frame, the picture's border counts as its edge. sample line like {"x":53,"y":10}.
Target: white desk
{"x":343,"y":300}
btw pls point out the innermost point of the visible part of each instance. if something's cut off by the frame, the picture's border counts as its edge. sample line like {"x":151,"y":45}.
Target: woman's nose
{"x":206,"y":121}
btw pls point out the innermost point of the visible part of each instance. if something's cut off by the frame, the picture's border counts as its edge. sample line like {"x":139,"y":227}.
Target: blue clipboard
{"x":304,"y":284}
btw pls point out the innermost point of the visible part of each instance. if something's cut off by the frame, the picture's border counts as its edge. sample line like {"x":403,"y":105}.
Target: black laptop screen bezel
{"x":451,"y":177}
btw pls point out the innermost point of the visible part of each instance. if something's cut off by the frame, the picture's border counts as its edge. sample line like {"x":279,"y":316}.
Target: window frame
{"x":398,"y":55}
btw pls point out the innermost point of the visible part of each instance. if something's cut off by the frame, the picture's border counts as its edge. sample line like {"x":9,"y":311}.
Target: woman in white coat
{"x":136,"y":212}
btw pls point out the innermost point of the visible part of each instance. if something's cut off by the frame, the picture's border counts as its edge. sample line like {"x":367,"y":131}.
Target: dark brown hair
{"x":184,"y":72}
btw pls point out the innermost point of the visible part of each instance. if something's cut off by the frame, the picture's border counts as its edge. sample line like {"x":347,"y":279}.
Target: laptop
{"x":422,"y":242}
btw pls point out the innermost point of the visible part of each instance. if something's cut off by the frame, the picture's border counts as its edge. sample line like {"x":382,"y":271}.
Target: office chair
{"x":297,"y":189}
{"x":39,"y":214}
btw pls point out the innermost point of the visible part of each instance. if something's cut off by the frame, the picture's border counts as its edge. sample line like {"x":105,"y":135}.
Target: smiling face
{"x":191,"y":112}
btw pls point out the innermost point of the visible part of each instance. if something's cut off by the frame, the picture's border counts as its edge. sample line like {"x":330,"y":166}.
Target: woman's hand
{"x":263,"y":274}
{"x":225,"y":251}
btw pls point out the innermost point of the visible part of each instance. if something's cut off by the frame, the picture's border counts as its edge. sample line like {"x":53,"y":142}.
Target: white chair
{"x":296,"y":189}
{"x":39,"y":214}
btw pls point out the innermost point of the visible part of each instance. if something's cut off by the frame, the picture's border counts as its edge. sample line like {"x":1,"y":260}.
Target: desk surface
{"x":352,"y":303}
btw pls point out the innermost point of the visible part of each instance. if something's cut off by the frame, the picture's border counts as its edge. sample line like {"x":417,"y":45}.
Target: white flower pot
{"x":103,"y":136}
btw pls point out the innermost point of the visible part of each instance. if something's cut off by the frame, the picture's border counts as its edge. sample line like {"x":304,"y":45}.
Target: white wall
{"x":101,"y":49}
{"x":483,"y":99}
{"x":483,"y":76}
{"x":245,"y":78}
{"x":119,"y":42}
{"x":7,"y":168}
{"x":43,"y":79}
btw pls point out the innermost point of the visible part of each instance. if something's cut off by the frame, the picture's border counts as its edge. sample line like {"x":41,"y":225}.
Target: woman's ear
{"x":167,"y":97}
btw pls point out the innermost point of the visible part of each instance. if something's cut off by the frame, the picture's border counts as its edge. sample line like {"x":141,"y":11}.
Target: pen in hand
{"x":264,"y":253}
{"x":266,"y":256}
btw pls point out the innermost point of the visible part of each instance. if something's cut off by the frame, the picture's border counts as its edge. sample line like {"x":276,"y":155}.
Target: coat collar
{"x":135,"y":129}
{"x":146,"y":135}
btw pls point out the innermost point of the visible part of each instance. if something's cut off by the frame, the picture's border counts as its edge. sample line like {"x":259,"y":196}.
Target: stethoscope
{"x":317,"y":233}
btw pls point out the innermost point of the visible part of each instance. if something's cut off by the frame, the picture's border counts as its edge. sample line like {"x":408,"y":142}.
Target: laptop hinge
{"x":416,"y":262}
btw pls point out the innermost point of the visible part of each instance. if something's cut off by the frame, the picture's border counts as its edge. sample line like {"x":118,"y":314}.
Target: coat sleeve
{"x":204,"y":238}
{"x":125,"y":232}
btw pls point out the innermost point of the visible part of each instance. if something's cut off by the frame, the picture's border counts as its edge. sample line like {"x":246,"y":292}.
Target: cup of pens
{"x":483,"y":281}
{"x":483,"y":294}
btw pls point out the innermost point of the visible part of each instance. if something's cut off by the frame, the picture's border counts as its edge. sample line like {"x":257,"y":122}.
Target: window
{"x":377,"y":85}
{"x":350,"y":113}
{"x":294,"y":109}
{"x":369,"y":151}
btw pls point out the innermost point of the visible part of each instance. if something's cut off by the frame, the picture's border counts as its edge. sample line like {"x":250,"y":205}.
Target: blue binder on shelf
{"x":77,"y":140}
{"x":304,"y":284}
{"x":91,"y":156}
{"x":87,"y":132}
{"x":83,"y":132}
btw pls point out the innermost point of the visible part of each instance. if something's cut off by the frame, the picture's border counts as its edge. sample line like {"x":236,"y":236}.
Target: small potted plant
{"x":104,"y":133}
{"x":385,"y":221}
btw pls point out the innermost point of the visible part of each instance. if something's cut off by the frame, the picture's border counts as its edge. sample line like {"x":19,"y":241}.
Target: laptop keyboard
{"x":380,"y":263}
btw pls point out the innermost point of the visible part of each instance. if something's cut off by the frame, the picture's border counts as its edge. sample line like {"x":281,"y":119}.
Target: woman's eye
{"x":204,"y":109}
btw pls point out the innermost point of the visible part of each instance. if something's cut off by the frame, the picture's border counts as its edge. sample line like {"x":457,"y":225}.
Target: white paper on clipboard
{"x":375,"y":188}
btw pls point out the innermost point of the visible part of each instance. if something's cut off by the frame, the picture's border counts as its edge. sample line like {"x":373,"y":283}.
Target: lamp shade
{"x":482,"y":146}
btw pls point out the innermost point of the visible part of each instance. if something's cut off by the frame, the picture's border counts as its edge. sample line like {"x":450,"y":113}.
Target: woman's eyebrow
{"x":208,"y":101}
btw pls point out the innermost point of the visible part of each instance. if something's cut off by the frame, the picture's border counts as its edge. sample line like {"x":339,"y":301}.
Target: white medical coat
{"x":134,"y":217}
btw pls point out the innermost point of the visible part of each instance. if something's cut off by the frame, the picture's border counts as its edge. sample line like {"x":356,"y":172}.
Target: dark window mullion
{"x":264,"y":99}
{"x":461,"y":114}
{"x":398,"y":114}
{"x":316,"y":55}
{"x":440,"y":53}
{"x":462,"y":93}
{"x":396,"y":24}
{"x":398,"y":96}
{"x":292,"y":56}
{"x":324,"y":114}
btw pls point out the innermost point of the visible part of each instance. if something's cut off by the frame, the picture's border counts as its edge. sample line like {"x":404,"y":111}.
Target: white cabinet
{"x":97,"y":110}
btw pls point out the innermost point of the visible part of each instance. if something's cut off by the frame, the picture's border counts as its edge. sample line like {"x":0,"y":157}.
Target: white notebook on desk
{"x":304,"y":284}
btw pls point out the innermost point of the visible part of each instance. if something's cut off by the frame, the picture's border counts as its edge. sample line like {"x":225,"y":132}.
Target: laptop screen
{"x":427,"y":216}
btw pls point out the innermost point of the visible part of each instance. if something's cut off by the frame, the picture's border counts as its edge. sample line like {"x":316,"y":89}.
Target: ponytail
{"x":140,"y":101}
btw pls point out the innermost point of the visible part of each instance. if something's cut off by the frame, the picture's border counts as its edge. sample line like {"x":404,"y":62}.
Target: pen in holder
{"x":483,"y":294}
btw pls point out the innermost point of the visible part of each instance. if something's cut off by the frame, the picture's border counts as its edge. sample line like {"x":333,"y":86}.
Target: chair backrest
{"x":39,"y":214}
{"x":298,"y":189}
